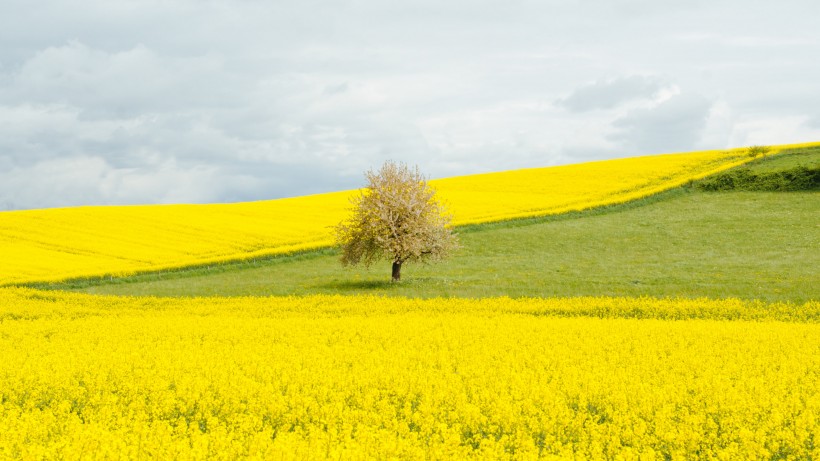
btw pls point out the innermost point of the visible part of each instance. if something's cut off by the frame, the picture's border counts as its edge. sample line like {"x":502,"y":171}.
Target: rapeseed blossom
{"x":318,"y":377}
{"x":67,"y":243}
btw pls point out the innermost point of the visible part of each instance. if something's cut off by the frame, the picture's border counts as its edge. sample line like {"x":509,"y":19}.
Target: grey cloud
{"x":82,"y":180}
{"x":608,"y":94}
{"x":332,"y":90}
{"x":588,"y":154}
{"x":158,"y":101}
{"x":674,"y":125}
{"x":122,"y":84}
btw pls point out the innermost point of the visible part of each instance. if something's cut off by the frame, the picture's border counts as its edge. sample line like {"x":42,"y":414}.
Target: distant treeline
{"x":799,"y":178}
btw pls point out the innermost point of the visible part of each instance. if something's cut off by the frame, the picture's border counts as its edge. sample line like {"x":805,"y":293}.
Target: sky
{"x":202,"y":101}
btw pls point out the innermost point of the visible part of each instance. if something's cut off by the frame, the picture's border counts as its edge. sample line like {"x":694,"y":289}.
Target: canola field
{"x":365,"y":377}
{"x":67,"y":243}
{"x":333,"y":377}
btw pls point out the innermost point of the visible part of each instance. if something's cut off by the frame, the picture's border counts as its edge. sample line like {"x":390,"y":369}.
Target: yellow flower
{"x":318,"y":377}
{"x":65,"y":243}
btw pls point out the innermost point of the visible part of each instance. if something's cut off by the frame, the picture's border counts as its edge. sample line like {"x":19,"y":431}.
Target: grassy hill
{"x":59,"y":244}
{"x":683,"y":242}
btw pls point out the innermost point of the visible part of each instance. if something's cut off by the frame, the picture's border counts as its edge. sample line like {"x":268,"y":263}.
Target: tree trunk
{"x":396,"y":271}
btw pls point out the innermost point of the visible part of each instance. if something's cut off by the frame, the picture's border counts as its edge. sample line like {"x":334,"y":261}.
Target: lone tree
{"x":396,"y":217}
{"x":754,"y":151}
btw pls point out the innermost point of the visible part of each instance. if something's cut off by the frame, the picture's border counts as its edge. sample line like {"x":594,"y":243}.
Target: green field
{"x":808,"y":157}
{"x":752,"y":245}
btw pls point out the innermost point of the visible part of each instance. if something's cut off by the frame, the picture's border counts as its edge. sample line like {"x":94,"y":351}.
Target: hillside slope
{"x":67,"y":243}
{"x":738,"y":244}
{"x":684,"y":242}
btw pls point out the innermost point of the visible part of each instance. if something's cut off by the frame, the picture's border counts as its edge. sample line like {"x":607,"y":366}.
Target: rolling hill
{"x":82,"y":242}
{"x":682,"y":243}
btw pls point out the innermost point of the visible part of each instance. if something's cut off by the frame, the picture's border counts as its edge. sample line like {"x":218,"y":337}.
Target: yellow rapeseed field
{"x":357,"y":377}
{"x":66,"y":243}
{"x":332,"y":377}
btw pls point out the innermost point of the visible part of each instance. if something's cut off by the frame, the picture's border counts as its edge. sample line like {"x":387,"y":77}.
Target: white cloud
{"x":676,"y":124}
{"x":717,"y":130}
{"x":183,"y":100}
{"x":611,"y":93}
{"x":773,"y":130}
{"x":121,"y":84}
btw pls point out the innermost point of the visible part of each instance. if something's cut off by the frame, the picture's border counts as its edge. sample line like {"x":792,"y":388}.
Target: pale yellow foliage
{"x":60,"y":244}
{"x":396,"y":217}
{"x":332,"y":377}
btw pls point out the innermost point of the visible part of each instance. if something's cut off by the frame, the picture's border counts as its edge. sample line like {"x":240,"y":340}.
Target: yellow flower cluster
{"x":85,"y":377}
{"x":60,"y":244}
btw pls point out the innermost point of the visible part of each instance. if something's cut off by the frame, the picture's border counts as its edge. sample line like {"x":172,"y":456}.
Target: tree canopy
{"x":395,"y":217}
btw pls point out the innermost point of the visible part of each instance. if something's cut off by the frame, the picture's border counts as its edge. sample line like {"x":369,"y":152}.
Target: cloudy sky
{"x":141,"y":101}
